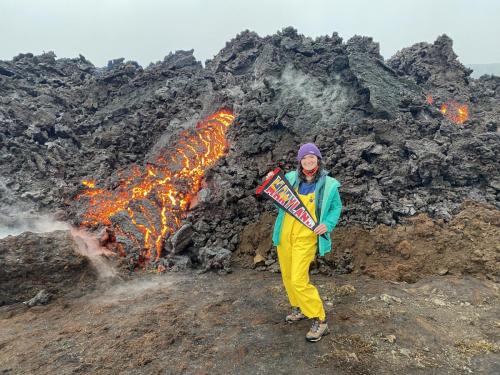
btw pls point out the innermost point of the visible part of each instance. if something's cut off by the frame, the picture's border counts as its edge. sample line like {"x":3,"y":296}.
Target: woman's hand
{"x":321,"y":229}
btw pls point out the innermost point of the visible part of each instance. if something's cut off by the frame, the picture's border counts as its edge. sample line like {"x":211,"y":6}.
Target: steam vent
{"x":161,"y":163}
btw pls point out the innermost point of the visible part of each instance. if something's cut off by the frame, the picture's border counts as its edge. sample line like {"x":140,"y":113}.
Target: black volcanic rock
{"x":48,"y":263}
{"x":64,"y":120}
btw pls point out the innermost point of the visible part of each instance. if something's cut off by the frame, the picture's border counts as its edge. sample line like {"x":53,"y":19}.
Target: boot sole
{"x":327,"y":332}
{"x":294,"y":321}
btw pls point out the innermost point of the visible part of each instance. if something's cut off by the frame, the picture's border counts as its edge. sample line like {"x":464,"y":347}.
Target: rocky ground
{"x":186,"y":323}
{"x":47,"y":263}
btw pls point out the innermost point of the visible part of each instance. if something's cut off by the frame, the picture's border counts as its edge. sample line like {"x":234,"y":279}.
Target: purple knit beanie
{"x":308,"y":149}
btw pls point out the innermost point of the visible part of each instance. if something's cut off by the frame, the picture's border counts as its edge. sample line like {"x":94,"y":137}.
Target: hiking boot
{"x":318,"y":330}
{"x":295,"y":315}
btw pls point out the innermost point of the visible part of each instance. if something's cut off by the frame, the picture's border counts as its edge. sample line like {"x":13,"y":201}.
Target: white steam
{"x":329,"y":101}
{"x":88,"y":246}
{"x":130,"y":290}
{"x":15,"y":225}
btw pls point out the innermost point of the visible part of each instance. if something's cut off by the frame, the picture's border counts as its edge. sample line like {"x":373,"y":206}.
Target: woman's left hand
{"x":320,"y":229}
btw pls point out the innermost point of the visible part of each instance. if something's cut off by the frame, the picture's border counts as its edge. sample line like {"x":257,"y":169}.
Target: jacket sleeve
{"x":332,"y":215}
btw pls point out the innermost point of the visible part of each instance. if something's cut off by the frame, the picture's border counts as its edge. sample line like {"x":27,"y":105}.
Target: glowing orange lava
{"x":444,"y":108}
{"x":88,"y":183}
{"x":156,"y":197}
{"x":455,"y":112}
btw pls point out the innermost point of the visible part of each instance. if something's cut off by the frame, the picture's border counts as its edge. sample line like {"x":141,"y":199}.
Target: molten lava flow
{"x":455,"y":112}
{"x":155,"y":198}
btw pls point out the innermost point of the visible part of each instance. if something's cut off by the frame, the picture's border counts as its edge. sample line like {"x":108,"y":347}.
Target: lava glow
{"x":155,"y":198}
{"x":455,"y":112}
{"x":88,"y":183}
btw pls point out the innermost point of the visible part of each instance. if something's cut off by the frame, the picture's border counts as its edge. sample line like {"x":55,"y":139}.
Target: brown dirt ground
{"x":468,"y":245}
{"x":210,"y":324}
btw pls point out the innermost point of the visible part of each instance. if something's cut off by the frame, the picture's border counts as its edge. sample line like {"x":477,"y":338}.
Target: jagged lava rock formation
{"x":395,"y":153}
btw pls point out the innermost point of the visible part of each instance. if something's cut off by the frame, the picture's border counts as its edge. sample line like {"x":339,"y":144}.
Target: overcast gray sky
{"x":147,"y":30}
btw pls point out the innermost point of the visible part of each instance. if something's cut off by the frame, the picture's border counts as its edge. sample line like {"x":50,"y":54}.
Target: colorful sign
{"x":277,"y":188}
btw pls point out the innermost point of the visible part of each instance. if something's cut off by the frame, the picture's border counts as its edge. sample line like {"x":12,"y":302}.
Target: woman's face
{"x":309,"y":162}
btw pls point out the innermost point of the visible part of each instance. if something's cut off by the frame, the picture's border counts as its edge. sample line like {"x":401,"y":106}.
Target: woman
{"x":297,"y":244}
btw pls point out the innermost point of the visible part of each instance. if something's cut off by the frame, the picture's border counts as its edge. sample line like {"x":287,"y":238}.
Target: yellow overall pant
{"x":296,"y":251}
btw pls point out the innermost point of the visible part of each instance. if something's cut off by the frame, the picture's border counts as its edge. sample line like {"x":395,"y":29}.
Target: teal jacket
{"x":327,"y":193}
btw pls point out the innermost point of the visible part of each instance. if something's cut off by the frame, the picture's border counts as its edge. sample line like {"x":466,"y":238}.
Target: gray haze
{"x":147,"y":30}
{"x":480,"y":69}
